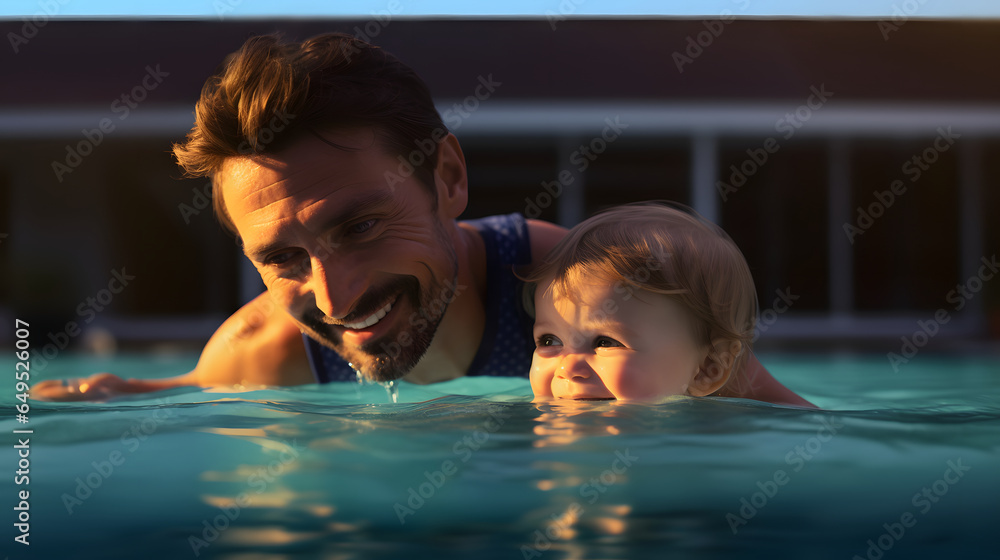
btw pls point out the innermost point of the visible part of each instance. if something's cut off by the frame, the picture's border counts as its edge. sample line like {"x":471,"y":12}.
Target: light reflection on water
{"x":319,"y":472}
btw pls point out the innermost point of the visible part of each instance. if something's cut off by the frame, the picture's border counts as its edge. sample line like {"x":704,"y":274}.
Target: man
{"x":331,"y":164}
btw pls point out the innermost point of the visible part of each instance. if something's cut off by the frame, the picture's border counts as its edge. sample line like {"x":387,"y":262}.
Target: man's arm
{"x":764,"y":387}
{"x":257,"y":345}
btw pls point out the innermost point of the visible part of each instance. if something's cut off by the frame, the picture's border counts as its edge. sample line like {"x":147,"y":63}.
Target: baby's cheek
{"x":540,"y":377}
{"x":643,"y":386}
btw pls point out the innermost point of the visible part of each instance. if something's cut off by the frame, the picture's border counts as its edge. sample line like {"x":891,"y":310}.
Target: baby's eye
{"x":607,"y":342}
{"x":547,"y":340}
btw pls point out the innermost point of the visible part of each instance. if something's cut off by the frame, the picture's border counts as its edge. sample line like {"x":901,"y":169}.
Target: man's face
{"x":357,"y":262}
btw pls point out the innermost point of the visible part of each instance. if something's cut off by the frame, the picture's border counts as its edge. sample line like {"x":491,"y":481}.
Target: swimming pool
{"x":898,"y":465}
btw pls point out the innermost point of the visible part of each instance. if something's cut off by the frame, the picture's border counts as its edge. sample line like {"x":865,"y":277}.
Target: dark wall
{"x":85,"y":62}
{"x":125,"y":199}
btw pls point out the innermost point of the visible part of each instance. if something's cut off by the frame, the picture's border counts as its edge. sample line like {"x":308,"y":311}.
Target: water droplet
{"x":391,"y":389}
{"x":360,"y":377}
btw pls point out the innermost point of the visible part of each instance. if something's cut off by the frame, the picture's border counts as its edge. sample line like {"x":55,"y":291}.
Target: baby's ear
{"x":717,"y":367}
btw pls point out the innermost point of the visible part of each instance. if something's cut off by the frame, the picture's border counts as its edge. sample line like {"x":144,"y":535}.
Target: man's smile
{"x":371,"y":319}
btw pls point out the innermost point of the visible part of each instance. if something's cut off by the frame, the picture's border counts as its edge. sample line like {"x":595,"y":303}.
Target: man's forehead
{"x":248,"y":183}
{"x":238,"y":170}
{"x":308,"y":168}
{"x":307,"y":152}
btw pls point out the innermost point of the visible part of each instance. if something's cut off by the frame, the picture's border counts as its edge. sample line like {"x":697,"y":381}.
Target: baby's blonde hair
{"x":670,"y":250}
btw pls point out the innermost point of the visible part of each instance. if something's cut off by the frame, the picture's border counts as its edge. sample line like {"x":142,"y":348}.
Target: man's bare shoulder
{"x":543,"y":236}
{"x":258,"y":345}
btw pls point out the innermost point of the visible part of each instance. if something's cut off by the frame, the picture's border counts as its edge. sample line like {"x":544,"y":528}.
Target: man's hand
{"x":99,"y":386}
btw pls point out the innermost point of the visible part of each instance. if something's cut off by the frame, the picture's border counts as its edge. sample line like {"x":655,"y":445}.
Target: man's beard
{"x":397,"y":352}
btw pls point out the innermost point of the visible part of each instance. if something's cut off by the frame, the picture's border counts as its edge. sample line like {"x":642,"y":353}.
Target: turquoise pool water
{"x":897,"y":465}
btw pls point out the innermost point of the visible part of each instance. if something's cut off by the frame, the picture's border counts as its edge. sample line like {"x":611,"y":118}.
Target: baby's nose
{"x":574,"y":366}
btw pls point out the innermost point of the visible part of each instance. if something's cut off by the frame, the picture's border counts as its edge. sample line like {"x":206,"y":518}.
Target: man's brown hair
{"x":269,"y":92}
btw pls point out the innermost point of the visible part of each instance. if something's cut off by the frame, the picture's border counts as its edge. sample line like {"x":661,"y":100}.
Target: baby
{"x":643,"y":302}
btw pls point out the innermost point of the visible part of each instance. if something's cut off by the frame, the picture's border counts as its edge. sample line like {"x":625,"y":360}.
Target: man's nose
{"x":336,"y":288}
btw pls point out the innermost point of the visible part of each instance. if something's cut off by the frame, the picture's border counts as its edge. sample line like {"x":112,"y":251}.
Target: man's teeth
{"x":374,"y":318}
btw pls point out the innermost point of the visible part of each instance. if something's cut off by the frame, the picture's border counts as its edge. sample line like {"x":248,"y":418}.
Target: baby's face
{"x":608,"y":343}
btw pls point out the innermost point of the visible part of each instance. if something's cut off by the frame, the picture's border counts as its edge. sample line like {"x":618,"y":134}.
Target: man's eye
{"x":278,"y":259}
{"x":361,"y":227}
{"x":288,"y":264}
{"x":607,"y":342}
{"x":547,"y":340}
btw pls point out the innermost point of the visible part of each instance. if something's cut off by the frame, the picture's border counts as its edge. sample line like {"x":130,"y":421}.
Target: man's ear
{"x":716,"y":368}
{"x":450,"y":178}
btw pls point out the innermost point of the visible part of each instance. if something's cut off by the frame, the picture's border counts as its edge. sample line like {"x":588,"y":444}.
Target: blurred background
{"x":853,"y":161}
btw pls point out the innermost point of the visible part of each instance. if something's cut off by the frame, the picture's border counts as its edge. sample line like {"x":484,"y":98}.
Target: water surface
{"x":472,"y":468}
